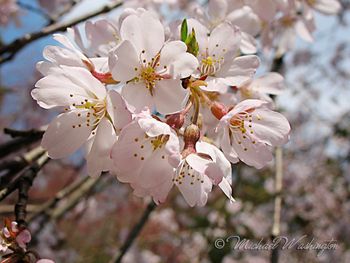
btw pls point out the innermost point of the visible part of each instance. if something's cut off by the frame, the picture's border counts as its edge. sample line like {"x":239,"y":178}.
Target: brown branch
{"x":17,"y":144}
{"x":135,"y":231}
{"x":9,"y":168}
{"x":23,"y":133}
{"x":29,"y":173}
{"x":7,"y":52}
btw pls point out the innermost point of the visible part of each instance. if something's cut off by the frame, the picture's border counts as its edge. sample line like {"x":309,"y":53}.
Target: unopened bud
{"x":176,"y":120}
{"x":191,"y":135}
{"x":218,"y":110}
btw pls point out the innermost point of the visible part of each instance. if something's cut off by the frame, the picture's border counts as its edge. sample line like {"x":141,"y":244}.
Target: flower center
{"x":210,"y":65}
{"x":159,"y":141}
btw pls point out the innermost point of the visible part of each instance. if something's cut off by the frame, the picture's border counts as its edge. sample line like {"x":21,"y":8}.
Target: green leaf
{"x":192,"y":44}
{"x":184,"y":30}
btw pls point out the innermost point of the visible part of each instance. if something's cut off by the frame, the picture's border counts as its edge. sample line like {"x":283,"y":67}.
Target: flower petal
{"x":170,"y":96}
{"x":99,"y":157}
{"x":61,"y":139}
{"x":123,"y":62}
{"x":138,"y":96}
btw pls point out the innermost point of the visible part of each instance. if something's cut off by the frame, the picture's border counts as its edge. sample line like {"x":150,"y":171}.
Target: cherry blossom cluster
{"x":277,"y":22}
{"x":13,"y":245}
{"x":160,"y":106}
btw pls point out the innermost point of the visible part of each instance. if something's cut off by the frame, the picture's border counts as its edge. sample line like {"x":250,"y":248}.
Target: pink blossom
{"x":249,"y":131}
{"x":150,"y":68}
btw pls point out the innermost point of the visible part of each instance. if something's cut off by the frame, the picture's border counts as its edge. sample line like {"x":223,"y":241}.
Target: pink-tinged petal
{"x":214,"y":84}
{"x":246,"y":20}
{"x":206,"y":167}
{"x":126,"y":152}
{"x":64,"y":41}
{"x":169,"y":96}
{"x":271,"y":83}
{"x":145,"y":32}
{"x":123,"y":62}
{"x":156,"y":169}
{"x":245,"y":105}
{"x":45,"y":261}
{"x":193,"y":190}
{"x":303,"y":31}
{"x":99,"y":157}
{"x":23,"y":238}
{"x":178,"y":63}
{"x":240,"y":71}
{"x":216,"y":155}
{"x":63,"y":56}
{"x":198,"y":163}
{"x":248,"y":44}
{"x":137,"y":96}
{"x":152,"y":127}
{"x":58,"y":90}
{"x":226,"y":187}
{"x":224,"y":41}
{"x":217,"y":10}
{"x":61,"y":139}
{"x":159,"y":193}
{"x":270,"y":127}
{"x":328,"y":7}
{"x":256,"y":154}
{"x":266,"y":9}
{"x":83,"y":78}
{"x":117,"y":110}
{"x":228,"y":150}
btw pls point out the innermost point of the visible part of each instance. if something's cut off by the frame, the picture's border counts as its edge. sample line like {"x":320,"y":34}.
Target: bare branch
{"x":29,"y":173}
{"x":24,"y":139}
{"x":277,"y":66}
{"x":9,"y":168}
{"x":7,"y":52}
{"x":134,"y":233}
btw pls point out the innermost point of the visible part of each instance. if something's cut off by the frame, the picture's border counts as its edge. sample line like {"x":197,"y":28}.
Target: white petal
{"x":227,"y":189}
{"x":117,"y":110}
{"x":56,"y":90}
{"x":179,"y":63}
{"x":224,"y":41}
{"x":248,"y":44}
{"x":138,"y":96}
{"x":240,"y":71}
{"x":99,"y":157}
{"x":271,"y":83}
{"x":328,"y":7}
{"x":125,"y":62}
{"x":169,"y":96}
{"x":61,"y":139}
{"x":145,"y":32}
{"x":270,"y":126}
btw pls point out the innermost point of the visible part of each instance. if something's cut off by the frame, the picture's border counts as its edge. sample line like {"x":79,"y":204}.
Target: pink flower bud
{"x":176,"y":120}
{"x":218,"y":110}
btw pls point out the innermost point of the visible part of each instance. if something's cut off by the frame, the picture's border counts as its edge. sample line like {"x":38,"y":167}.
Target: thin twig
{"x":23,"y":133}
{"x":9,"y":51}
{"x":30,"y":172}
{"x":277,"y":66}
{"x":9,"y":168}
{"x":134,"y":233}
